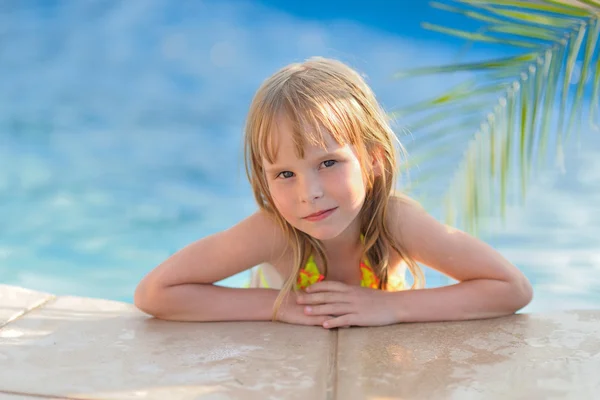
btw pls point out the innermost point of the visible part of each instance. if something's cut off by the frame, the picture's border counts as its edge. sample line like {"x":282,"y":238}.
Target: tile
{"x":22,"y":396}
{"x":15,"y":301}
{"x":8,"y":396}
{"x":88,"y":348}
{"x":517,"y":357}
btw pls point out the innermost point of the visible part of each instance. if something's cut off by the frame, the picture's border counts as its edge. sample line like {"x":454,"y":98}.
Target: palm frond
{"x":532,"y":102}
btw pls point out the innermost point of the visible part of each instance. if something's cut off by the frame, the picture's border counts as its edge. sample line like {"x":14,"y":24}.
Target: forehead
{"x":287,"y":140}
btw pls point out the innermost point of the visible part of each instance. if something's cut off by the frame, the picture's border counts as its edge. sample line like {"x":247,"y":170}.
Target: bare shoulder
{"x":449,"y":250}
{"x":408,"y":221}
{"x":255,"y":240}
{"x":259,"y":231}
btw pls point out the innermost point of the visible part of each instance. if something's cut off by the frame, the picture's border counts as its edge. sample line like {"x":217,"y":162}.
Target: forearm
{"x":206,"y":302}
{"x":475,"y":299}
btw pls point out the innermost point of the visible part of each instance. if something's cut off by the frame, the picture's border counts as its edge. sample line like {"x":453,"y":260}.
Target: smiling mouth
{"x":320,"y":215}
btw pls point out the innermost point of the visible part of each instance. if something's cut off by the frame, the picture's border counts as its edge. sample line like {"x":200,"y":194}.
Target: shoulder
{"x":412,"y":225}
{"x":403,"y":211}
{"x":450,"y":251}
{"x":446,"y":249}
{"x":264,"y":236}
{"x":260,"y":231}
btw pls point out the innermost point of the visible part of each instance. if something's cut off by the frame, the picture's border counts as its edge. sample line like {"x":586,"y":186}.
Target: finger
{"x":323,"y":298}
{"x":315,"y":320}
{"x":343,"y":320}
{"x":318,"y":320}
{"x":327,"y":286}
{"x":329,"y":309}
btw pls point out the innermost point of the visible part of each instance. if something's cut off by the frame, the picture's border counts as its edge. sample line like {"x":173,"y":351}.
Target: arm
{"x":206,"y":302}
{"x":489,"y":285}
{"x":181,"y":288}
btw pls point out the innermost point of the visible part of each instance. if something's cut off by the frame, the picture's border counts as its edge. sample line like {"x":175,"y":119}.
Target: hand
{"x":292,"y":312}
{"x":350,"y":305}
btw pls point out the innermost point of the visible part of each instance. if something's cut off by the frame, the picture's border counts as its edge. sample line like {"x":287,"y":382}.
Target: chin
{"x":322,"y":233}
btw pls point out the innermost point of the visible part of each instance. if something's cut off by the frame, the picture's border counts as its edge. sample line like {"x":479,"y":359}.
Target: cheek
{"x":355,"y":182}
{"x":276,"y":192}
{"x":358,"y":191}
{"x":281,"y":197}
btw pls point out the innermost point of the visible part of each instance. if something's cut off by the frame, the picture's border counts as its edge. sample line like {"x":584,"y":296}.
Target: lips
{"x":320,"y":214}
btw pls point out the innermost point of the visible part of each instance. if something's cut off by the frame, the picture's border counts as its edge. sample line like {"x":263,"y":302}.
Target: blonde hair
{"x":326,"y":94}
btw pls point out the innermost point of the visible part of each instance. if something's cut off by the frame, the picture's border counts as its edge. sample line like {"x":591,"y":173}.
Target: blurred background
{"x":121,"y":131}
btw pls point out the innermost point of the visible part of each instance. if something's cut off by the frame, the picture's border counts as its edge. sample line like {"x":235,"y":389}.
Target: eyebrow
{"x":321,"y":158}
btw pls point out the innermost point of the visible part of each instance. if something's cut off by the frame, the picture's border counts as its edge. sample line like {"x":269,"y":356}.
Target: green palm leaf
{"x":532,"y":100}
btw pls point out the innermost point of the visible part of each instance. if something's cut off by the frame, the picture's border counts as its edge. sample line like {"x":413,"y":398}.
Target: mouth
{"x":320,"y":214}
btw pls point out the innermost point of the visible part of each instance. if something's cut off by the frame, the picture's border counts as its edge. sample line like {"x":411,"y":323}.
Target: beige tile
{"x":86,"y":348}
{"x":16,"y":301}
{"x":21,"y":396}
{"x":516,"y":357}
{"x":8,"y":396}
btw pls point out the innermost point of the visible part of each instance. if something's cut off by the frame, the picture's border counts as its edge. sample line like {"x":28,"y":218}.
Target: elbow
{"x":521,"y":293}
{"x":169,"y":303}
{"x":147,"y":299}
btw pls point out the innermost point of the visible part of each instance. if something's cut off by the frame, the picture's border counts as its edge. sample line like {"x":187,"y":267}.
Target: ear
{"x":377,"y":157}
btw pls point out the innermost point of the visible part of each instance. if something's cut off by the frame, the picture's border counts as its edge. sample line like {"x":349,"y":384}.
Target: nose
{"x":310,"y":189}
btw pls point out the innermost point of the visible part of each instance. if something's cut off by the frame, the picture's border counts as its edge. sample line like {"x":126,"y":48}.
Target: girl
{"x":321,"y":159}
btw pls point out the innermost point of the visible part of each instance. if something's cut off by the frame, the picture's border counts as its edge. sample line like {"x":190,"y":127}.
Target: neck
{"x":347,"y":242}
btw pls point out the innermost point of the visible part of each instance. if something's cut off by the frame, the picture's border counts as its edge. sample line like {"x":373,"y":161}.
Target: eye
{"x":329,"y":163}
{"x":285,"y":174}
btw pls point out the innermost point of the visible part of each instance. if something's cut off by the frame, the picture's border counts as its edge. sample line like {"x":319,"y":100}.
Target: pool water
{"x":121,"y":143}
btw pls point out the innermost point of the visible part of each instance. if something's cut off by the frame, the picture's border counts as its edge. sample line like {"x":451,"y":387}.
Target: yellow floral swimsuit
{"x":310,"y":274}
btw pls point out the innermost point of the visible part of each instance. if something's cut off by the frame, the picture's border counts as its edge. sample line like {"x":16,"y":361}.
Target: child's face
{"x":329,"y":180}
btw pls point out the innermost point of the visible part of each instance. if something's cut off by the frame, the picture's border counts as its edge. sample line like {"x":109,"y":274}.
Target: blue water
{"x":120,"y":139}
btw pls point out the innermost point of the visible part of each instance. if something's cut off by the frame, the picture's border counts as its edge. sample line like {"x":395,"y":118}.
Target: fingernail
{"x":308,"y":309}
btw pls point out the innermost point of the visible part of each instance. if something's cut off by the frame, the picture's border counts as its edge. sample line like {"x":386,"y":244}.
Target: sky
{"x":120,"y":134}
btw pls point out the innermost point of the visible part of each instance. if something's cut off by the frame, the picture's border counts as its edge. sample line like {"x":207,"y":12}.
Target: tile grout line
{"x":36,"y":306}
{"x":41,"y":396}
{"x":332,"y":375}
{"x":42,"y":303}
